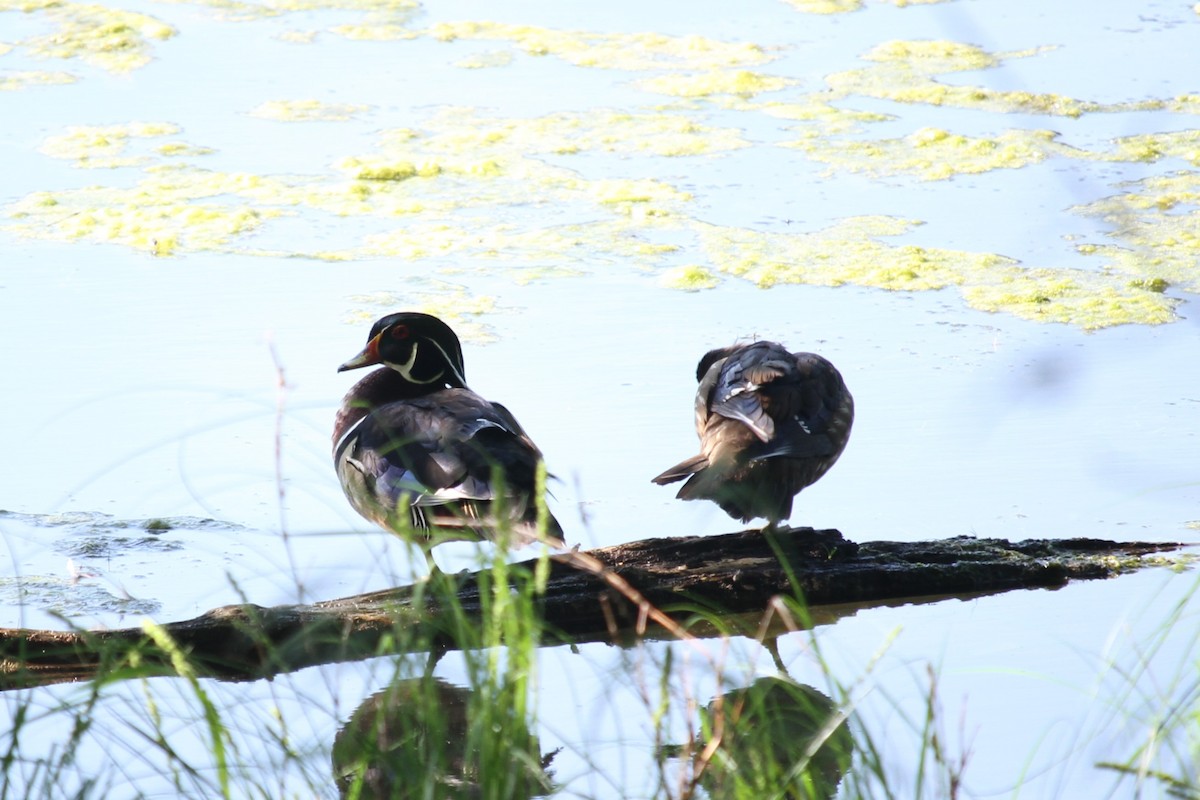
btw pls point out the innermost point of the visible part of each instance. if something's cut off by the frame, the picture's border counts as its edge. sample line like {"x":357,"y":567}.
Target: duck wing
{"x":733,"y":386}
{"x":440,"y":448}
{"x":812,"y":408}
{"x":794,"y":403}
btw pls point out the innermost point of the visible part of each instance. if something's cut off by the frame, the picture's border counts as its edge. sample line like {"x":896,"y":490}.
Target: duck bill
{"x":368,"y":356}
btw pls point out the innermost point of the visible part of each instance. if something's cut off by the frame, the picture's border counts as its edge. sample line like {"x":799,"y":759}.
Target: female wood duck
{"x":420,"y":454}
{"x":770,"y":423}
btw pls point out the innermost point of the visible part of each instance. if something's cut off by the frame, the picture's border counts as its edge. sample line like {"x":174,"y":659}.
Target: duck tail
{"x":682,"y":470}
{"x":705,"y":484}
{"x":530,"y":519}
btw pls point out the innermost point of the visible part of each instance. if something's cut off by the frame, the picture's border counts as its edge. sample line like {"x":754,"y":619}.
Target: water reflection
{"x":773,"y":738}
{"x":423,"y":737}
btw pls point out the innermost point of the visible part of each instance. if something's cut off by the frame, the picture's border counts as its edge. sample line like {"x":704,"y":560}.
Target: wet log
{"x":619,"y":593}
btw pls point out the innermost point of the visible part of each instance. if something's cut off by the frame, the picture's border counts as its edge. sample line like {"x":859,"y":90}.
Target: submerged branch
{"x":587,"y":598}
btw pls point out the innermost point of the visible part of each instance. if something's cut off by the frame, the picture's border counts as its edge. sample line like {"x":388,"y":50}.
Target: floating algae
{"x":16,"y":81}
{"x":904,"y":72}
{"x":850,"y":252}
{"x":307,"y":111}
{"x":491,"y":192}
{"x":449,"y":301}
{"x":689,"y":278}
{"x":623,"y":51}
{"x":742,"y":83}
{"x":163,"y":213}
{"x":104,"y":146}
{"x":112,"y":39}
{"x":935,"y":154}
{"x":463,"y":130}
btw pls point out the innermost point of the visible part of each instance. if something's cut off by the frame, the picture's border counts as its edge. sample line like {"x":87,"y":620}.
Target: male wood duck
{"x":423,"y":456}
{"x":770,"y":423}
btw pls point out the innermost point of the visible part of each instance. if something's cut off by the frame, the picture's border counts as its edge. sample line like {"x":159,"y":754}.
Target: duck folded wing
{"x":816,"y":403}
{"x":739,"y":385}
{"x":445,"y":451}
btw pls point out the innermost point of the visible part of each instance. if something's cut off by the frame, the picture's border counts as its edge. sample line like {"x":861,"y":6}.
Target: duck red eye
{"x":400,"y":332}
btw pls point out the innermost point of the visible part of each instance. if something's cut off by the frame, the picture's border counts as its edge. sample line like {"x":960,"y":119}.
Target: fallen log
{"x":610,"y":593}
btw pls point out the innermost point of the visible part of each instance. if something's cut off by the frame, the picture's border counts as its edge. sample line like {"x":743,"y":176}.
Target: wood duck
{"x":423,"y":456}
{"x":770,"y":423}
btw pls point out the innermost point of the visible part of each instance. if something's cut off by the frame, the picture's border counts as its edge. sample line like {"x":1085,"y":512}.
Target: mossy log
{"x":611,"y":593}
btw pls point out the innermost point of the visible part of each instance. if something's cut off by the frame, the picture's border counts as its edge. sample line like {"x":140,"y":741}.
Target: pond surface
{"x":984,"y":213}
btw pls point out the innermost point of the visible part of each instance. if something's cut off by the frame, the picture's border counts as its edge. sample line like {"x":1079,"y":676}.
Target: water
{"x":141,"y":387}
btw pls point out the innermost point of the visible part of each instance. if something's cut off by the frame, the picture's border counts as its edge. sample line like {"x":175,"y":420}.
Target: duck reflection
{"x":414,"y":739}
{"x":777,"y":738}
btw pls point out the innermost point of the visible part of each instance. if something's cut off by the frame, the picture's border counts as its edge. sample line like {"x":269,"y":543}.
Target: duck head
{"x":420,"y":347}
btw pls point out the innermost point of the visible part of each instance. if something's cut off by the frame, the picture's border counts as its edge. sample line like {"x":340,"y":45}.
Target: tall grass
{"x":423,"y":738}
{"x":1162,"y":710}
{"x":722,"y":724}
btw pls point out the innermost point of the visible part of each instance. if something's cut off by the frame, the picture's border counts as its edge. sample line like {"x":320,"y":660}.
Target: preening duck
{"x":770,"y":423}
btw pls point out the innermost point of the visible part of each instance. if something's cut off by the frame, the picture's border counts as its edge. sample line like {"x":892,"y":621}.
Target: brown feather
{"x":770,"y":423}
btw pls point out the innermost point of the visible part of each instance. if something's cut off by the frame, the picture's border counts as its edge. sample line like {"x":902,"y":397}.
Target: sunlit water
{"x":140,"y":387}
